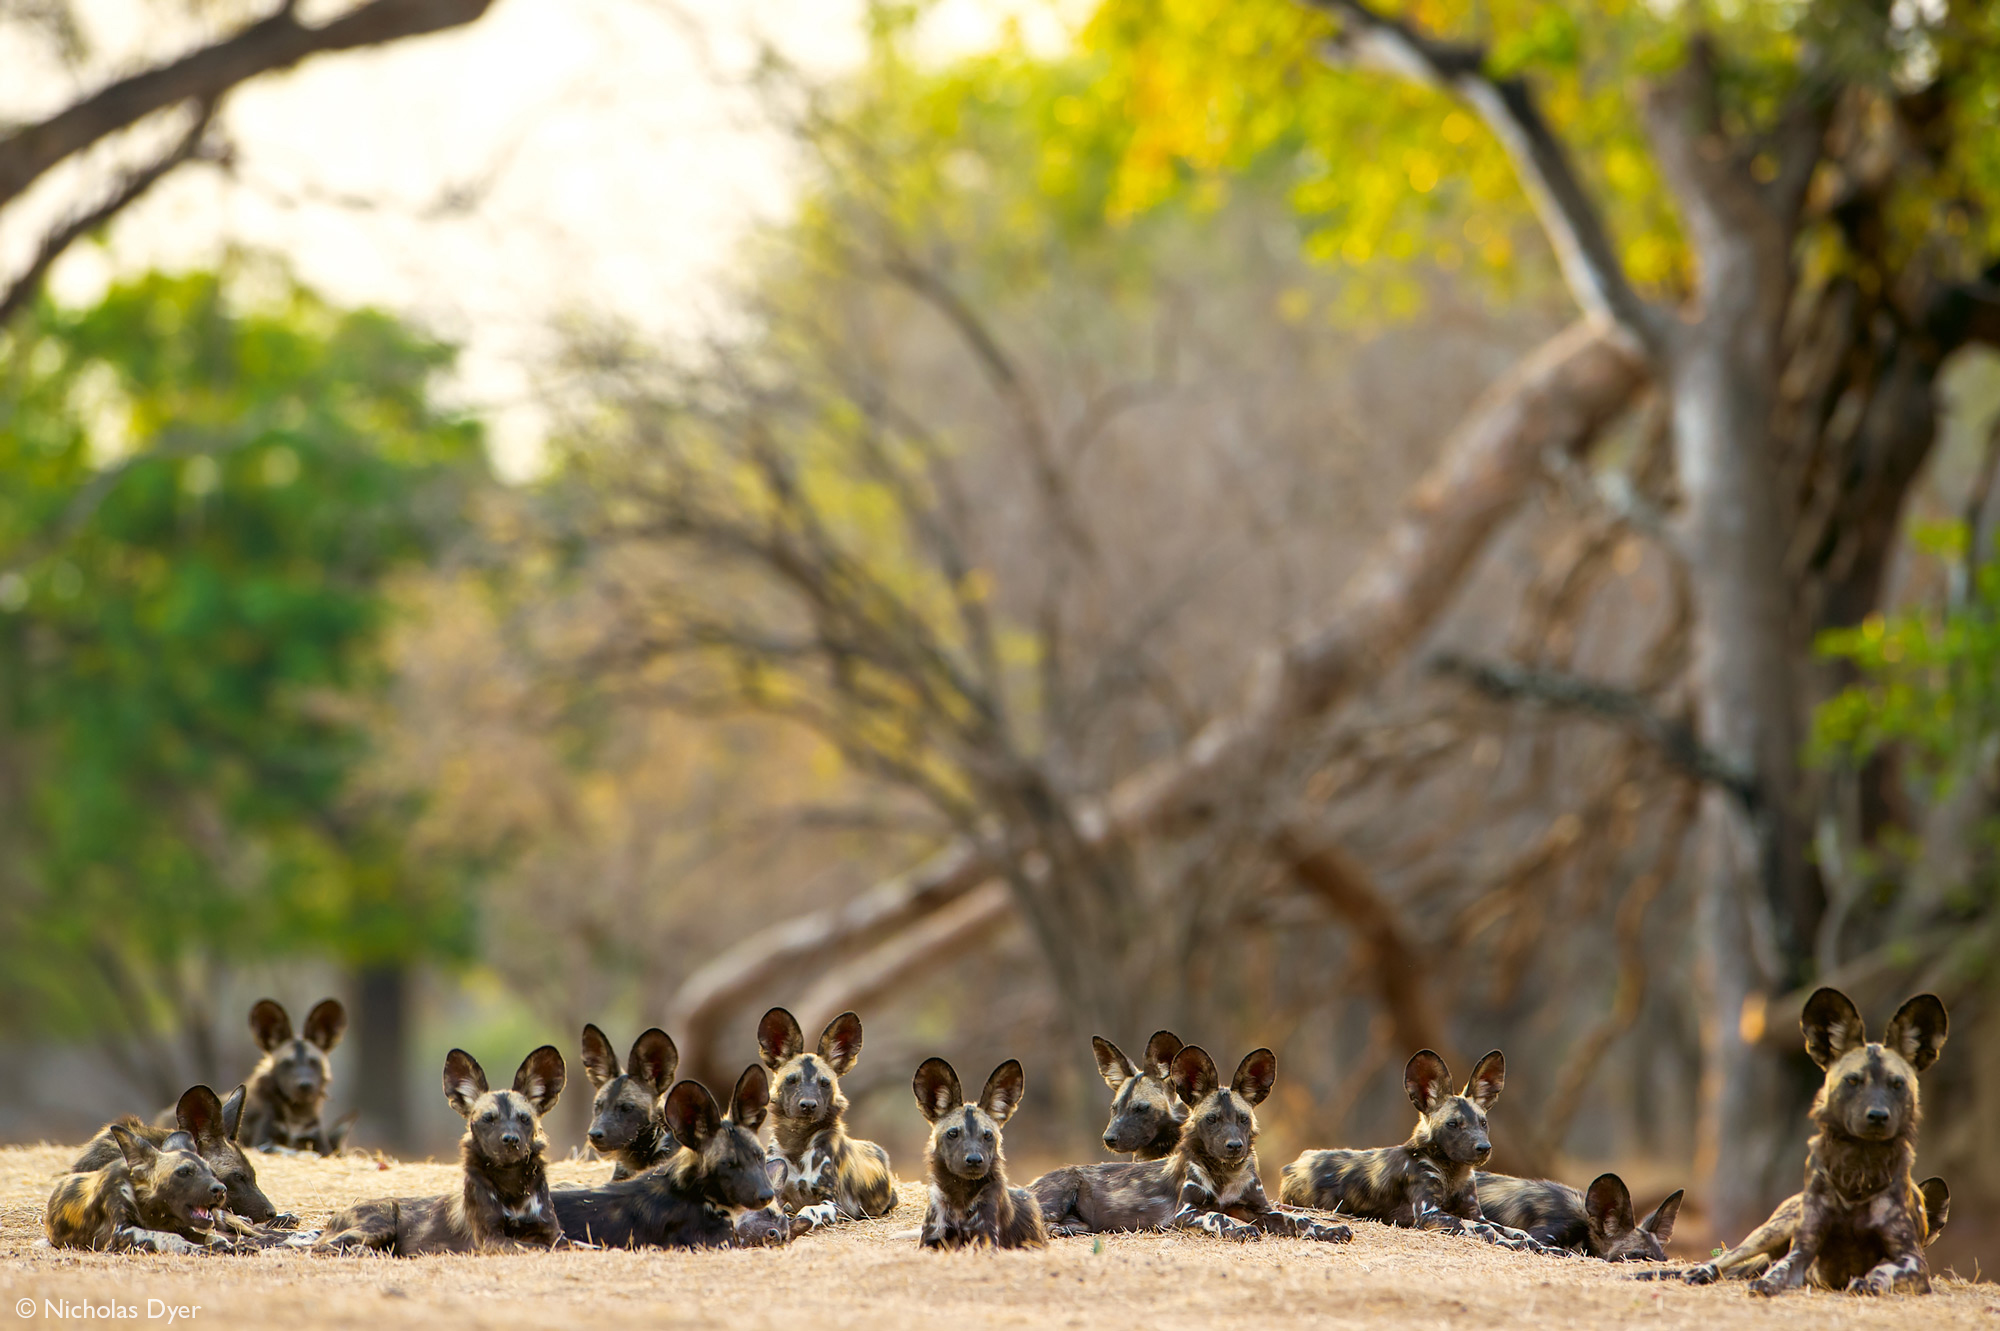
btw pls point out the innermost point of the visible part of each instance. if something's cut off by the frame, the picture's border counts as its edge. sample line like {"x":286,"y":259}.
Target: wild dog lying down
{"x":1210,"y":1180}
{"x":971,"y":1205}
{"x":212,"y":1124}
{"x":1427,"y":1181}
{"x":161,"y":1198}
{"x":1862,"y":1222}
{"x":1146,"y":1114}
{"x":627,"y":1124}
{"x":828,"y":1174}
{"x":504,"y":1201}
{"x":715,"y":1191}
{"x":289,"y":1085}
{"x":1598,"y":1221}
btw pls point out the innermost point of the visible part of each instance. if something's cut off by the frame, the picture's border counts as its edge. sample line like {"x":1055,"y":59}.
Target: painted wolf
{"x":289,"y":1085}
{"x":1209,"y":1182}
{"x":627,"y":1122}
{"x":1598,"y":1221}
{"x":828,"y":1174}
{"x":971,"y":1205}
{"x":1146,"y":1113}
{"x":1862,"y":1221}
{"x":212,"y":1124}
{"x":161,"y":1198}
{"x":715,"y":1191}
{"x":1427,"y":1181}
{"x":504,"y":1200}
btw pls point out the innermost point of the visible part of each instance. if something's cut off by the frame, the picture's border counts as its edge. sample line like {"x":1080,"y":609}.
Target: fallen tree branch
{"x":1561,"y":397}
{"x":1569,"y":693}
{"x":934,"y":940}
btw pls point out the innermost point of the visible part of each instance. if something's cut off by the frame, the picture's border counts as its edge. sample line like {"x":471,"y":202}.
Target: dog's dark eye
{"x":1455,"y":1123}
{"x":951,"y":1134}
{"x":1852,"y":1079}
{"x":1897,"y":1083}
{"x":489,"y":1117}
{"x":989,"y":1136}
{"x":185,"y":1171}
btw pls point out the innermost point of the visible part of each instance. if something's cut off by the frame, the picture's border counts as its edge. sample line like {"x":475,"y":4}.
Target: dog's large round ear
{"x":600,"y":1062}
{"x":1831,"y":1025}
{"x":1255,"y":1075}
{"x":1937,"y":1207}
{"x":464,"y":1081}
{"x":1193,"y":1074}
{"x":1488,"y":1079}
{"x":1607,"y":1206}
{"x":138,"y":1152}
{"x":937,"y":1090}
{"x":325,"y":1024}
{"x":270,"y":1024}
{"x":779,"y":1038}
{"x":1427,"y":1081}
{"x":654,"y":1060}
{"x":1160,"y":1051}
{"x":751,"y":1098}
{"x":232,"y":1111}
{"x":1917,"y":1030}
{"x":1660,"y":1224}
{"x":691,"y":1114}
{"x":541,"y":1077}
{"x":180,"y":1141}
{"x":1112,"y":1065}
{"x":199,"y":1114}
{"x":1004,"y":1089}
{"x":840,"y":1043}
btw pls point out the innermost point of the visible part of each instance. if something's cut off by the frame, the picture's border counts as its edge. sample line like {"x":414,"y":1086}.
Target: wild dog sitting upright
{"x":828,"y":1174}
{"x":1427,"y":1181}
{"x":971,"y":1205}
{"x":152,"y":1198}
{"x":1146,"y":1113}
{"x":715,"y":1191}
{"x":627,"y":1125}
{"x":1598,"y":1221}
{"x":288,"y":1087}
{"x":1862,"y":1221}
{"x":504,"y":1200}
{"x":1210,"y":1180}
{"x":212,"y":1125}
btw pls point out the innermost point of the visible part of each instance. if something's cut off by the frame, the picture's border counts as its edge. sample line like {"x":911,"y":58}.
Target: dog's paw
{"x":1705,"y":1274}
{"x":818,"y":1214}
{"x":1765,"y":1287}
{"x":283,"y":1220}
{"x":1330,"y":1233}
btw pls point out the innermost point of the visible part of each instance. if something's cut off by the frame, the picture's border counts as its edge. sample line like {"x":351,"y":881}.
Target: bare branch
{"x":1576,"y":230}
{"x":128,"y":191}
{"x":275,"y":43}
{"x":1563,"y":692}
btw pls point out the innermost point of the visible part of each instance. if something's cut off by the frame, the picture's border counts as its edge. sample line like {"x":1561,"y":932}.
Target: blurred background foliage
{"x":1072,"y":391}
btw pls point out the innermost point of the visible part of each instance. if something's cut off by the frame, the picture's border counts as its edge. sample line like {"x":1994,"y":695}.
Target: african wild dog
{"x":715,"y":1191}
{"x":288,"y":1087}
{"x":212,"y":1124}
{"x":504,"y":1201}
{"x":1862,"y":1221}
{"x":1146,"y":1115}
{"x":627,"y":1126}
{"x":1427,"y":1181}
{"x":828,"y":1174}
{"x":1209,"y":1182}
{"x":971,"y":1205}
{"x":1598,"y":1221}
{"x":161,"y":1198}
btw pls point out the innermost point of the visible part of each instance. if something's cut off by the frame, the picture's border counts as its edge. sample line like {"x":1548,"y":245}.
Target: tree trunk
{"x":381,"y":1055}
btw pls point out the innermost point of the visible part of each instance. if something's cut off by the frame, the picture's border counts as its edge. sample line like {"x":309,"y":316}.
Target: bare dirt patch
{"x":858,"y":1276}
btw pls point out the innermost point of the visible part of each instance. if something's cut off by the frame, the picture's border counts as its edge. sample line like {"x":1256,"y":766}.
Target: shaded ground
{"x":859,"y":1277}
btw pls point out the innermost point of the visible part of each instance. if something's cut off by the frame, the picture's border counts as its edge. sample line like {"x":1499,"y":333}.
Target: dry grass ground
{"x":860,"y":1277}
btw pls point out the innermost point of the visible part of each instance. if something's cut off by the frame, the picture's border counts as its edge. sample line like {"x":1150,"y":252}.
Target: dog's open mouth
{"x":201,"y":1217}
